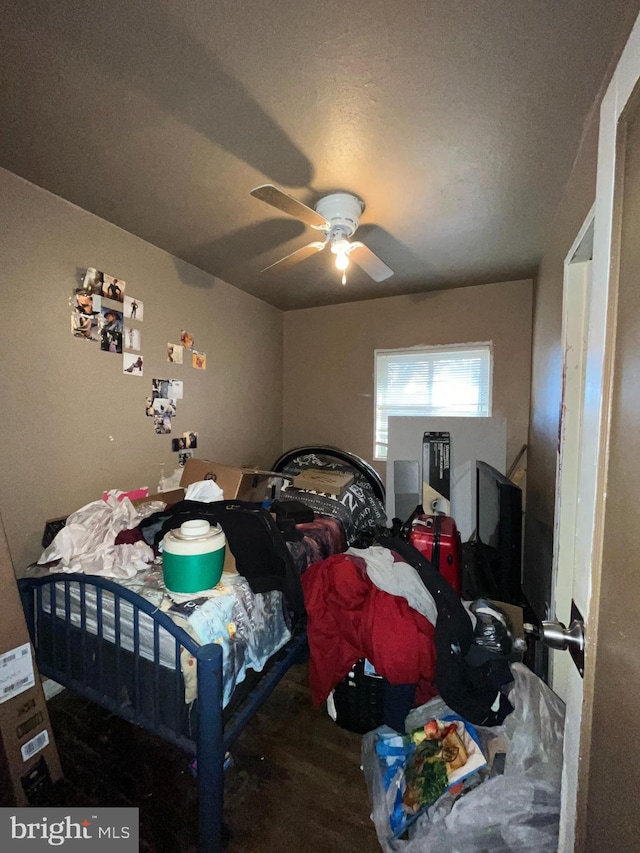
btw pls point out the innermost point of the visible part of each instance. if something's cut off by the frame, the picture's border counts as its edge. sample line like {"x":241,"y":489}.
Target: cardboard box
{"x":320,"y":480}
{"x":244,"y":484}
{"x":172,"y":497}
{"x":436,"y":472}
{"x":28,"y":755}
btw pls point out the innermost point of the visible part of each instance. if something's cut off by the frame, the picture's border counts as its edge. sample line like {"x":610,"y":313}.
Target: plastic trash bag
{"x":434,"y":709}
{"x":518,"y":810}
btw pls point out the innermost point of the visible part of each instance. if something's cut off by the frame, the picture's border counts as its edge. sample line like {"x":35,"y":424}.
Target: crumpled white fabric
{"x":397,"y":578}
{"x":86,"y":542}
{"x":206,"y":491}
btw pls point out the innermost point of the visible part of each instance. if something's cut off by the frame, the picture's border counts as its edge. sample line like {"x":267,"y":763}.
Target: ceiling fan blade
{"x":297,"y":256}
{"x":369,"y":262}
{"x":288,"y":204}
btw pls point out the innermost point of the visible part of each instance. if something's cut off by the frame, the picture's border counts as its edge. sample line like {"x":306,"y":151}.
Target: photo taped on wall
{"x":85,"y":326}
{"x":164,"y":406}
{"x":199,"y":360}
{"x":113,"y":288}
{"x":175,"y":353}
{"x":162,"y":424}
{"x":160,"y":388}
{"x":93,"y":281}
{"x":132,"y":364}
{"x":132,"y":339}
{"x":111,"y":330}
{"x":133,"y":308}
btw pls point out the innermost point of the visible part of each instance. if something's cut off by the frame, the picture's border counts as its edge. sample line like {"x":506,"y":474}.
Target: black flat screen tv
{"x":499,"y":532}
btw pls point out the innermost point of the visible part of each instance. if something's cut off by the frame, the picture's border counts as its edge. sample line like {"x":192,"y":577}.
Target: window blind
{"x":430,"y":381}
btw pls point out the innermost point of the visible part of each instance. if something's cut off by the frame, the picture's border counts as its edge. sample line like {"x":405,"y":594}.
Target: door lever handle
{"x":557,"y":636}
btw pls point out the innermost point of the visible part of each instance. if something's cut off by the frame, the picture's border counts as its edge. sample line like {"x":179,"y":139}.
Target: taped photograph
{"x":132,"y":339}
{"x":133,"y":308}
{"x":85,"y":326}
{"x":132,"y":364}
{"x":199,"y":360}
{"x":113,"y":288}
{"x":176,"y":388}
{"x":163,"y":406}
{"x":186,"y":339}
{"x":93,"y":281}
{"x":111,"y":330}
{"x":160,"y":388}
{"x":162,"y":424}
{"x":175,"y":353}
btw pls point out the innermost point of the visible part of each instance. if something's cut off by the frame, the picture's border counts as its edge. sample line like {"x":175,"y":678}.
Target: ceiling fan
{"x":337,"y":216}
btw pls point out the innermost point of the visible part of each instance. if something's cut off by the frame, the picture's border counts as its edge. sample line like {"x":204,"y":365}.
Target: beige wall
{"x":329,"y":354}
{"x":72,"y":423}
{"x":546,"y":386}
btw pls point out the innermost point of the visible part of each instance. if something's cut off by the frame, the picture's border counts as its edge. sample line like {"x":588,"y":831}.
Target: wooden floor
{"x":295,"y":784}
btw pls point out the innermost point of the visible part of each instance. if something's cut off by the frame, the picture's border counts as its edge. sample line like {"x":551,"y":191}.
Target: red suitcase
{"x":437,"y":538}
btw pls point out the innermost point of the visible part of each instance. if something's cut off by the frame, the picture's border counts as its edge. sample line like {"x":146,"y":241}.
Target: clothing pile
{"x":389,"y":605}
{"x":361,"y":605}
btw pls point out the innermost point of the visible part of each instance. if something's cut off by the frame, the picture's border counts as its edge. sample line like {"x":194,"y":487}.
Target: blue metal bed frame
{"x":86,"y":676}
{"x":214,"y":735}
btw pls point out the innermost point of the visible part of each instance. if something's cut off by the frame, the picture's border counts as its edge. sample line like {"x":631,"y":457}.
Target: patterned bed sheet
{"x":250,"y":627}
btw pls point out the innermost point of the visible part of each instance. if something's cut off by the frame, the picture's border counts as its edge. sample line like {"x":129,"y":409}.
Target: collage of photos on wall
{"x":162,"y":404}
{"x":184,"y":446}
{"x":103,"y":313}
{"x":178,"y":352}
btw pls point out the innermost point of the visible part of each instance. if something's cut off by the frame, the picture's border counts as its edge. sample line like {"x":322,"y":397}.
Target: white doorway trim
{"x":576,"y":286}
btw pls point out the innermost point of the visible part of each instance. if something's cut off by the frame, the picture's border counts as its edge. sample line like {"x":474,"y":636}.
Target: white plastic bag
{"x":206,"y":491}
{"x":517,"y":811}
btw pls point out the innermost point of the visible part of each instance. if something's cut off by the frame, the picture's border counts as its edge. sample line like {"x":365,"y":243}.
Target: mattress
{"x":250,"y":627}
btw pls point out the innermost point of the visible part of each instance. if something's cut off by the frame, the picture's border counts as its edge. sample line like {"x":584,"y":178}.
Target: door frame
{"x":596,"y":422}
{"x":575,"y":303}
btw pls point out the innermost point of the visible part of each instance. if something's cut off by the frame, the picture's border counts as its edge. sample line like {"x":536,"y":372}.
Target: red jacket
{"x":350,"y":618}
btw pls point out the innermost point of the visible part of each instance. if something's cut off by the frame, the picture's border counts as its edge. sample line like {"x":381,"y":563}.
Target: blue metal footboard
{"x":90,"y":659}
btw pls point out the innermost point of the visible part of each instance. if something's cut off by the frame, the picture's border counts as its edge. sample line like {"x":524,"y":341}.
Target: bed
{"x":120,"y":645}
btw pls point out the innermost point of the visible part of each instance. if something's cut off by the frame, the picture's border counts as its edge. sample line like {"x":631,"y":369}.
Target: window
{"x":428,"y":382}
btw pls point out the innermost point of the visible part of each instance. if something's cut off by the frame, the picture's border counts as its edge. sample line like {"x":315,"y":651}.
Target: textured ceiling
{"x":456,"y":122}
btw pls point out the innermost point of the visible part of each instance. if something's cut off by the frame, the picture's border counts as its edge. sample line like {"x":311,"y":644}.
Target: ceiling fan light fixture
{"x":337,"y":215}
{"x":341,"y":247}
{"x":342,"y":261}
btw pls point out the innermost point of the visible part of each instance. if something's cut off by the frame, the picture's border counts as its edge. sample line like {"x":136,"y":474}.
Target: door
{"x":601,"y":774}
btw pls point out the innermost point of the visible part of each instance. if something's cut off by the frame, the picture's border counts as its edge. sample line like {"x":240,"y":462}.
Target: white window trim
{"x":418,"y":348}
